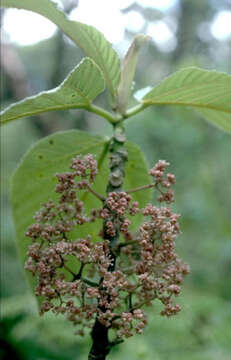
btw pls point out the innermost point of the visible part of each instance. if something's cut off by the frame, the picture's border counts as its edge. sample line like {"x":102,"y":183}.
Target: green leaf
{"x":218,"y":118}
{"x":35,"y":179}
{"x":81,"y":86}
{"x":86,"y":37}
{"x":209,"y":92}
{"x":128,"y":72}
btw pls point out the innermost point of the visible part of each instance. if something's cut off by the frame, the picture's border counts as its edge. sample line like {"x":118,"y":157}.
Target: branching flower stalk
{"x":104,"y":284}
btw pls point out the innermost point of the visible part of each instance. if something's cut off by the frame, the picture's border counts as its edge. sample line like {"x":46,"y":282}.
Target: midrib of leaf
{"x":54,"y":108}
{"x":194,"y":93}
{"x":190,"y":92}
{"x":57,"y":107}
{"x":192,"y":105}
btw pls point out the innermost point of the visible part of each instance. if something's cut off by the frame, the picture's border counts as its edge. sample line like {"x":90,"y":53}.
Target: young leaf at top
{"x":128,"y":72}
{"x":209,"y":92}
{"x":53,"y":155}
{"x":86,"y":37}
{"x":81,"y":86}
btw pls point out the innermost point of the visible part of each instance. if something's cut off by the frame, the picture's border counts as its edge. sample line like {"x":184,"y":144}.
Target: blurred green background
{"x":199,"y":155}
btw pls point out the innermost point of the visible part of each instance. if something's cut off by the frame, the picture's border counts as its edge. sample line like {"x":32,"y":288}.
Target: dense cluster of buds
{"x":79,"y":277}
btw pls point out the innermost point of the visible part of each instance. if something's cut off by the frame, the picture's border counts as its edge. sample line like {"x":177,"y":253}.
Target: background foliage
{"x":200,"y":157}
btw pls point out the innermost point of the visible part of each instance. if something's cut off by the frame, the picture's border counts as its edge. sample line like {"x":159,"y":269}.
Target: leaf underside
{"x":89,"y":39}
{"x":35,"y":179}
{"x":209,"y":92}
{"x":78,"y":90}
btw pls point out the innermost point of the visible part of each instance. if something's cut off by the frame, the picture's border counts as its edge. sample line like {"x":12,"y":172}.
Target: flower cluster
{"x":117,"y":204}
{"x":157,"y":172}
{"x":80,"y":278}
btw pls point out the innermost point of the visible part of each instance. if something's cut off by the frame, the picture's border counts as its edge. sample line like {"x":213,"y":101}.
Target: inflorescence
{"x":77,"y":277}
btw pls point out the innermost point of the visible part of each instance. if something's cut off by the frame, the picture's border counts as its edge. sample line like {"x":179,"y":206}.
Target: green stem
{"x":113,"y":119}
{"x":134,"y":110}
